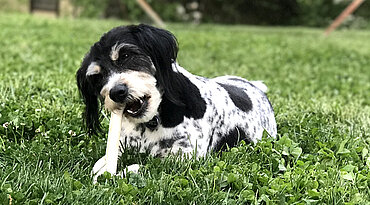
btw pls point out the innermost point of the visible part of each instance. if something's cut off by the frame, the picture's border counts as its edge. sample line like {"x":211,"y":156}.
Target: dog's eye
{"x":125,"y":56}
{"x":95,"y":77}
{"x":123,"y":59}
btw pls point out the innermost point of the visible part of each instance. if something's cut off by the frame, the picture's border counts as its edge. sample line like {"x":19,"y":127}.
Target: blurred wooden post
{"x":349,"y":10}
{"x":45,"y":5}
{"x":151,"y":13}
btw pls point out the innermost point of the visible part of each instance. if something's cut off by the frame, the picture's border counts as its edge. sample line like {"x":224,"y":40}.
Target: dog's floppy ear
{"x":162,"y":47}
{"x":91,"y":113}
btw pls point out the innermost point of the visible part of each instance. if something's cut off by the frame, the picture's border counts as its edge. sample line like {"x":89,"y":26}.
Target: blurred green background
{"x":317,"y":13}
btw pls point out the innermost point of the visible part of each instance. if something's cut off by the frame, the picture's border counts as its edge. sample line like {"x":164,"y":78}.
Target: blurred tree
{"x":259,"y":12}
{"x":250,"y":11}
{"x":89,"y":8}
{"x":116,"y":8}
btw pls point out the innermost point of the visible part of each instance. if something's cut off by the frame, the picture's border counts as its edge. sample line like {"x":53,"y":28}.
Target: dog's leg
{"x":134,"y":168}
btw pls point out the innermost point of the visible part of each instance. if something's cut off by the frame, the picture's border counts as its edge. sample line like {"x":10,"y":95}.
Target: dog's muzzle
{"x":133,"y":107}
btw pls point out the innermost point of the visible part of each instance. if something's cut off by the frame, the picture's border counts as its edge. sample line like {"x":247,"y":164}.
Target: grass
{"x":319,"y":87}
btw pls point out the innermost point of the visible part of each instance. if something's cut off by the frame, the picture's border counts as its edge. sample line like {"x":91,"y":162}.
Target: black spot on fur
{"x":239,"y":97}
{"x":192,"y":104}
{"x":238,"y":79}
{"x":231,"y":139}
{"x":140,"y":128}
{"x":184,"y":144}
{"x":166,"y":143}
{"x":152,"y":125}
{"x":132,"y":140}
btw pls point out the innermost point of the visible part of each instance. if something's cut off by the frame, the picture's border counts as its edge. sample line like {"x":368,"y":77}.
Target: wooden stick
{"x":349,"y":10}
{"x":151,"y":13}
{"x":111,"y":153}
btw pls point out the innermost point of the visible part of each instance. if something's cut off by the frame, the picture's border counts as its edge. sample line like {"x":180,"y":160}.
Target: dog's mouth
{"x":137,"y":107}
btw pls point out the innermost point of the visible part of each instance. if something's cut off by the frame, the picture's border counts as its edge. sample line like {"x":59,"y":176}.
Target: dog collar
{"x":153,"y":123}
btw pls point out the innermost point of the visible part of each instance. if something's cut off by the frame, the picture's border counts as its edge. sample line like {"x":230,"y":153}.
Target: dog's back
{"x":247,"y":115}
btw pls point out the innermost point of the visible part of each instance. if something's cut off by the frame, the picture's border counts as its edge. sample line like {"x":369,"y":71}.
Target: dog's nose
{"x":118,"y":93}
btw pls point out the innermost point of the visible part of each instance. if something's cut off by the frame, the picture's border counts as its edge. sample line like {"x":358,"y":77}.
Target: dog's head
{"x":129,"y":68}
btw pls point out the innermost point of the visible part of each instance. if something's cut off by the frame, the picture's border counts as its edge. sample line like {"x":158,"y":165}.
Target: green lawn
{"x":319,"y":88}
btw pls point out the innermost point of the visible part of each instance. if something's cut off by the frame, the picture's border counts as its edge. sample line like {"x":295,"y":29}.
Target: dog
{"x":166,"y":109}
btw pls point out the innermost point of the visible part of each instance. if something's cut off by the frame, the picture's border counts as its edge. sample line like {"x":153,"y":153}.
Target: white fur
{"x":93,"y":69}
{"x":260,"y":85}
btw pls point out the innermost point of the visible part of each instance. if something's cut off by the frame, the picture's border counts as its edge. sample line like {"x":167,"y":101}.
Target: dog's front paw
{"x":132,"y":168}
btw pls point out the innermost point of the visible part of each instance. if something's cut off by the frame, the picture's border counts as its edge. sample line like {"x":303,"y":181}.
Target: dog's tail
{"x":260,"y":85}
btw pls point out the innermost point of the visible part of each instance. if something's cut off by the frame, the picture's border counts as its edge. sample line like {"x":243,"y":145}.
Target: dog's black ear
{"x":161,"y":45}
{"x":91,"y":113}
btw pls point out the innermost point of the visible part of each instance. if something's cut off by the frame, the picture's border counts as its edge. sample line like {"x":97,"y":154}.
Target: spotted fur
{"x":178,"y":111}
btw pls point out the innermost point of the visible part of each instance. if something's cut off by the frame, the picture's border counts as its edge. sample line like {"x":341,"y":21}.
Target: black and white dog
{"x":166,"y":108}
